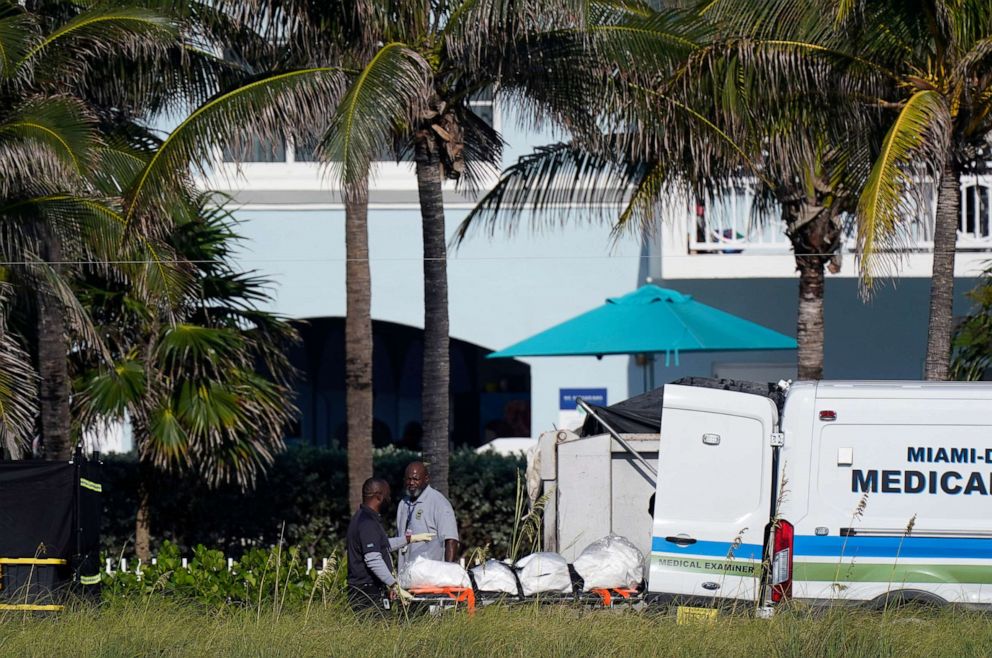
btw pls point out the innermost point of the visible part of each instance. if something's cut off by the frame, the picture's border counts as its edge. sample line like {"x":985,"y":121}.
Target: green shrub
{"x":261,"y":577}
{"x":301,"y":499}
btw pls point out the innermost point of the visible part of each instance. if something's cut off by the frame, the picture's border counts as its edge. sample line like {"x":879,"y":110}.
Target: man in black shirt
{"x":370,"y":567}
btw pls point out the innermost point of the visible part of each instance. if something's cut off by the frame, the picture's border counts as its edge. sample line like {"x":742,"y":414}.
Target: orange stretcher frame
{"x":458,"y":594}
{"x":607,"y":597}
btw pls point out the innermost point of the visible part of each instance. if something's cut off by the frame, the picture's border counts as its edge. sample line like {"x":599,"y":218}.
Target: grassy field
{"x":162,"y":629}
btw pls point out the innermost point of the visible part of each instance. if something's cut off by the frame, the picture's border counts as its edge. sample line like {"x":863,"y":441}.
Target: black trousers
{"x":368,"y":599}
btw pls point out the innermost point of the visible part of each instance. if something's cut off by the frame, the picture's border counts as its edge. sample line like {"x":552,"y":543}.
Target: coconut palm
{"x":53,"y":217}
{"x":700,"y":123}
{"x":415,"y":91}
{"x":925,"y":66}
{"x":936,"y":63}
{"x":288,"y":35}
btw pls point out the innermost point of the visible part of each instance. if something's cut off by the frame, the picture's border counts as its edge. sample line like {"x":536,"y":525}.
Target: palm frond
{"x":18,"y":388}
{"x":388,"y":94}
{"x":550,"y":184}
{"x":187,"y":350}
{"x":58,"y":131}
{"x":267,"y":107}
{"x":17,"y":36}
{"x":111,"y":391}
{"x":98,"y":31}
{"x":914,"y":147}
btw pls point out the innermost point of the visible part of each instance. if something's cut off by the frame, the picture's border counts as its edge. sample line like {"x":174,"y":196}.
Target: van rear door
{"x":714,"y":493}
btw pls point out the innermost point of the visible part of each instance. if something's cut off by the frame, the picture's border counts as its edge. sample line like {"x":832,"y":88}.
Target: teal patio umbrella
{"x":650,"y":320}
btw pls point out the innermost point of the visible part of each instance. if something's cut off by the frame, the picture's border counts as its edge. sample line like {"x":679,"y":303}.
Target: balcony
{"x":714,"y":234}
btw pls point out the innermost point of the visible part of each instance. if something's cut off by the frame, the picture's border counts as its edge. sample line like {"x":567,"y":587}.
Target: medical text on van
{"x":932,"y":482}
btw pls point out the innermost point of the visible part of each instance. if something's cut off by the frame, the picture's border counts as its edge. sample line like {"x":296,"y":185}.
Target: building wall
{"x":506,"y":288}
{"x":882,"y":338}
{"x":501,"y":290}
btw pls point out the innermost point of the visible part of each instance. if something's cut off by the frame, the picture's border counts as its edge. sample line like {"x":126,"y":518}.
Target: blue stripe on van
{"x":707,"y":549}
{"x":811,"y":546}
{"x":908,"y":547}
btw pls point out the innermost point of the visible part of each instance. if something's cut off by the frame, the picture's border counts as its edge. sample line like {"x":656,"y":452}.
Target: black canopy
{"x":641,"y":414}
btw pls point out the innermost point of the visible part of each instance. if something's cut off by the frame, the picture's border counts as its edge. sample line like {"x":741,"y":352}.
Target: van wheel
{"x":908,"y":598}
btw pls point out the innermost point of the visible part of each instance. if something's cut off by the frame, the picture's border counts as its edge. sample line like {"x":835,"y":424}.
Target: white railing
{"x":121,"y":565}
{"x":727,"y":226}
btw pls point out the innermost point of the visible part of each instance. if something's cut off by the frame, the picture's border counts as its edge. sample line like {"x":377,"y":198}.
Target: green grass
{"x":170,"y":629}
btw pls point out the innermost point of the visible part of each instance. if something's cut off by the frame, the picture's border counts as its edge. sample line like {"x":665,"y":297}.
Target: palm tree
{"x":205,"y":382}
{"x":49,"y":146}
{"x":923,"y":66}
{"x":703,"y":122}
{"x":288,"y":35}
{"x":416,"y":90}
{"x":932,"y":57}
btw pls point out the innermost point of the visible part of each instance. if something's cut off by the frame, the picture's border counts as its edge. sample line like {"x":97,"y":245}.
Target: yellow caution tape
{"x":90,"y":580}
{"x":31,"y":607}
{"x":31,"y":560}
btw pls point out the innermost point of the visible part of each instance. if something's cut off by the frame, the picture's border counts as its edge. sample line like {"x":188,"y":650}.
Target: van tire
{"x":907,"y":598}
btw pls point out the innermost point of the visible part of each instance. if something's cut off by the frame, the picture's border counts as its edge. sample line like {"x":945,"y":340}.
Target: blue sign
{"x":567,"y":397}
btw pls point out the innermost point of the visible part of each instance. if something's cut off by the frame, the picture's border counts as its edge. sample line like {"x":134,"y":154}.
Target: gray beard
{"x":414,"y":493}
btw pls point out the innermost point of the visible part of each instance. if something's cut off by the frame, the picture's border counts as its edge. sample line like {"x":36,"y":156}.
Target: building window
{"x":304,"y":148}
{"x":976,"y":211}
{"x":255,"y":149}
{"x":482,"y":104}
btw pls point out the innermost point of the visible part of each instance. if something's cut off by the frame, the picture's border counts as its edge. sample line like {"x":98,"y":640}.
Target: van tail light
{"x":782,"y":561}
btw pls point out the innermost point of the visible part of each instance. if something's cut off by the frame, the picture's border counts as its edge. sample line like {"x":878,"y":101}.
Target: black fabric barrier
{"x":49,"y":530}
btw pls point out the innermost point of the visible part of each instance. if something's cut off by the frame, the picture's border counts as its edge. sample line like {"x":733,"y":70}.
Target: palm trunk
{"x":815,"y":233}
{"x":358,"y":342}
{"x":945,"y":237}
{"x":809,"y":325}
{"x":436,"y":370}
{"x":142,"y":520}
{"x":53,"y":364}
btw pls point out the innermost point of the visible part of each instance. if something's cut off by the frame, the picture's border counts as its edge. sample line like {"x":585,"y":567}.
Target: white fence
{"x":121,"y":565}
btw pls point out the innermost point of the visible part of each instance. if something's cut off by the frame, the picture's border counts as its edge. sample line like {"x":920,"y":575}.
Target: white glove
{"x":421,"y":536}
{"x":404,"y":596}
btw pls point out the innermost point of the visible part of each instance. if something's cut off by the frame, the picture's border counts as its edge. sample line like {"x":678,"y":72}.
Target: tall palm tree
{"x":49,"y":146}
{"x":294,"y":35}
{"x":704,"y":122}
{"x":935,"y":69}
{"x":924,"y":67}
{"x":416,"y":89}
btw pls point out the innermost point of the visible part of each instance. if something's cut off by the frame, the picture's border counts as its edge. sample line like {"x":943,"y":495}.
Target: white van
{"x":861,"y":491}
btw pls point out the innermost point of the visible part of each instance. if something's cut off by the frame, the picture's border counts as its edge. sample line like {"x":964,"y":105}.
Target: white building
{"x":505,"y":289}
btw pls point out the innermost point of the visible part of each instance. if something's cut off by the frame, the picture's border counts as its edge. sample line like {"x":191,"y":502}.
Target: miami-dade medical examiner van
{"x":880,"y":490}
{"x":855,"y":492}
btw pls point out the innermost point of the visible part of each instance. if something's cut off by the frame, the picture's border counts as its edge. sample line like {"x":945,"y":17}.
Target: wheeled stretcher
{"x":443,"y":598}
